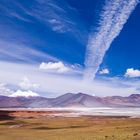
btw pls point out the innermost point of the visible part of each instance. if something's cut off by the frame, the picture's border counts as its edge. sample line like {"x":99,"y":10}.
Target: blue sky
{"x":49,"y":38}
{"x":124,"y":51}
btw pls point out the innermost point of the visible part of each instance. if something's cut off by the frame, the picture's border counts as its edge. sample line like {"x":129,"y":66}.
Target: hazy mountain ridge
{"x":70,"y":100}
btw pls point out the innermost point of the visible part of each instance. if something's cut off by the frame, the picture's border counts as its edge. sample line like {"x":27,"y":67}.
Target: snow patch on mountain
{"x":28,"y":93}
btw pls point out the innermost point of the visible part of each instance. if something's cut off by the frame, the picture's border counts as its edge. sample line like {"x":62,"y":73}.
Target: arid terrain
{"x":43,"y":125}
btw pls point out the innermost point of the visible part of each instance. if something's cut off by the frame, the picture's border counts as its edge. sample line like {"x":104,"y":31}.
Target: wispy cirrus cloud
{"x":8,"y":9}
{"x":17,"y":51}
{"x":30,"y":44}
{"x":58,"y":16}
{"x":18,"y":45}
{"x":112,"y":19}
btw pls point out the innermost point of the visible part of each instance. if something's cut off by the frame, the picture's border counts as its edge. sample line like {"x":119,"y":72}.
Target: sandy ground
{"x":66,"y":124}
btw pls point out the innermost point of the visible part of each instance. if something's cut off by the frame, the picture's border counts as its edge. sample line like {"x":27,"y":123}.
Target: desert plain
{"x":52,"y":125}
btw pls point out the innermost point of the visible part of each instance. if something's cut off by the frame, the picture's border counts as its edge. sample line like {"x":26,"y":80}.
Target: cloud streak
{"x":112,"y":19}
{"x":22,"y":52}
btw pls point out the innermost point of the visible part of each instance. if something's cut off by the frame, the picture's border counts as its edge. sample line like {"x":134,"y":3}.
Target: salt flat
{"x":73,"y":112}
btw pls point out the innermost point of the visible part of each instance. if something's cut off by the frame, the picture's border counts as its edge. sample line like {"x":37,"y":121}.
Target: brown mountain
{"x":71,"y":100}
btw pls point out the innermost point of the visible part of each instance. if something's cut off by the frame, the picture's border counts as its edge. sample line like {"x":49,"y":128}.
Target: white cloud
{"x":4,"y":90}
{"x":132,"y":73}
{"x":26,"y":84}
{"x":51,"y":85}
{"x":104,"y":71}
{"x":57,"y":25}
{"x":57,"y":67}
{"x":112,"y":19}
{"x":20,"y":93}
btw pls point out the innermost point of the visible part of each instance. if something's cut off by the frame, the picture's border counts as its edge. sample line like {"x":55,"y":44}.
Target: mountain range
{"x":69,"y":100}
